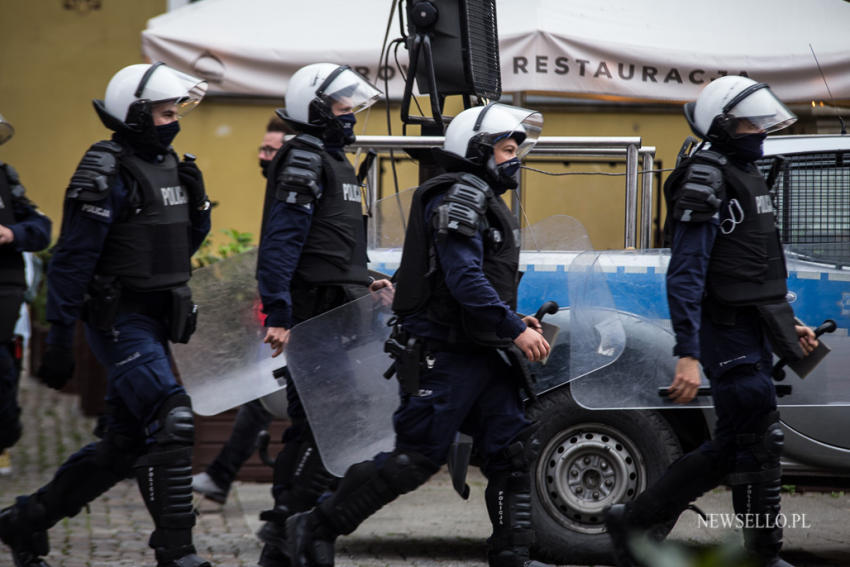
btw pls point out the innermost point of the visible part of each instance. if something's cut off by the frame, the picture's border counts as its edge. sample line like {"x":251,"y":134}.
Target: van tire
{"x":587,"y":461}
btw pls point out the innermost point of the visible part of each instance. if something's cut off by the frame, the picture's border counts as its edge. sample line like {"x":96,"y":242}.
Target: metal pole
{"x":648,"y":158}
{"x":630,"y":230}
{"x":373,"y":183}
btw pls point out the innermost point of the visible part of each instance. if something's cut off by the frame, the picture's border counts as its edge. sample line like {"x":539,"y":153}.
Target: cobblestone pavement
{"x":428,"y":527}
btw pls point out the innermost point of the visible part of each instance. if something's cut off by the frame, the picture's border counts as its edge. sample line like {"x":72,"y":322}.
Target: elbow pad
{"x":464,"y":208}
{"x":94,"y":174}
{"x":702,"y":190}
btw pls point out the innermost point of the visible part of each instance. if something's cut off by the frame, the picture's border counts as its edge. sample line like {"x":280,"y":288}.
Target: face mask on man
{"x":339,"y":132}
{"x":166,"y":133}
{"x":509,"y":168}
{"x":264,"y":166}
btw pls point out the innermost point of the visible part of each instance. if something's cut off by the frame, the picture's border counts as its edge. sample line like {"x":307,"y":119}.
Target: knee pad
{"x":765,"y":445}
{"x":519,"y":454}
{"x":164,"y":475}
{"x":174,"y":424}
{"x":407,"y":471}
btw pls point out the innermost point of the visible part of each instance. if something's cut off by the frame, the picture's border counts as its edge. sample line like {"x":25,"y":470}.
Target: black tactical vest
{"x":11,"y":261}
{"x":335,"y":250}
{"x":747,"y":264}
{"x":420,"y":282}
{"x":150,"y":248}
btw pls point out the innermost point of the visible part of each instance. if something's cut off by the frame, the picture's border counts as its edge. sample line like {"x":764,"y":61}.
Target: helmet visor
{"x":181,"y":88}
{"x":521,"y":124}
{"x":764,"y":111}
{"x":350,"y":92}
{"x":6,"y":130}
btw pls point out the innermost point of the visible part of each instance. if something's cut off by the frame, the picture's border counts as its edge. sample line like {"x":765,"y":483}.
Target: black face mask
{"x":166,"y":133}
{"x":264,"y":166}
{"x":746,"y":148}
{"x":340,"y":132}
{"x":503,"y":175}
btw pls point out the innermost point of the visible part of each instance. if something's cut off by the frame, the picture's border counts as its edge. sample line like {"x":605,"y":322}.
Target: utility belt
{"x":106,"y":298}
{"x":777,"y":319}
{"x":412,"y":354}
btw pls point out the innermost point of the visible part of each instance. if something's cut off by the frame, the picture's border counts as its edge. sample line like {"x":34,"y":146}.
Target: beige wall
{"x":53,"y":61}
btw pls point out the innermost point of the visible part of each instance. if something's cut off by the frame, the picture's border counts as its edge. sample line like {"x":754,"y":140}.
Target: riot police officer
{"x":725,"y":289}
{"x":133,"y":216}
{"x":312,"y":258}
{"x":22,"y":228}
{"x":455,"y":299}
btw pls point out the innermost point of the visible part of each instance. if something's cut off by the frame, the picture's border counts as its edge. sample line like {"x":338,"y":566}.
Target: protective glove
{"x":193,"y":180}
{"x":57,"y":366}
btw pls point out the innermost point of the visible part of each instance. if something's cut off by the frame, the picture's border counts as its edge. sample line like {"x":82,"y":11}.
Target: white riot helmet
{"x":722,"y":103}
{"x":6,"y":131}
{"x":314,"y":89}
{"x":472,"y":133}
{"x":134,"y":90}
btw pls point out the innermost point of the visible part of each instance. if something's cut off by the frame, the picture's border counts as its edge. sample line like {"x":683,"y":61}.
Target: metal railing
{"x":638,"y":164}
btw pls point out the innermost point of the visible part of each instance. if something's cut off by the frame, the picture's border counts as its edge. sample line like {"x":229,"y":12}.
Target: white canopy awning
{"x":653,"y":50}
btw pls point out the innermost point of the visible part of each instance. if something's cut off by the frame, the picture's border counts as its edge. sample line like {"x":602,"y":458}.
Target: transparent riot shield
{"x":634,"y":381}
{"x":337,"y":359}
{"x":337,"y":362}
{"x":225,"y":363}
{"x":596,"y":331}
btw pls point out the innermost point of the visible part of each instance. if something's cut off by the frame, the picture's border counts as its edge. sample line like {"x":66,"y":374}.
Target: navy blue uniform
{"x":145,"y":402}
{"x":470,"y":390}
{"x":714,"y":290}
{"x":737,"y":359}
{"x":312,"y":258}
{"x":31,"y":231}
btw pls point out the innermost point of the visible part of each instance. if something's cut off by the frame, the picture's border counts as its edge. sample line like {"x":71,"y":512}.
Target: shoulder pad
{"x":298,"y":182}
{"x":11,"y":174}
{"x":309,"y":141}
{"x":701,"y":189}
{"x":464,"y":207}
{"x":710,"y":156}
{"x":96,"y":170}
{"x":14,"y":180}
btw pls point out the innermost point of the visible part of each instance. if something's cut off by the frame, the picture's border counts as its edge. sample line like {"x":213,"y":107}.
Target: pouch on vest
{"x":778,"y":320}
{"x":102,"y":301}
{"x":184,"y":315}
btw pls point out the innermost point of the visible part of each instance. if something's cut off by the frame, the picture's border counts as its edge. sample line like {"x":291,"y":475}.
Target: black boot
{"x":16,"y":530}
{"x":756,"y":494}
{"x":508,"y":498}
{"x":300,"y":478}
{"x":310,"y":542}
{"x":364,"y":490}
{"x":272,"y":556}
{"x":273,"y":534}
{"x":657,"y":508}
